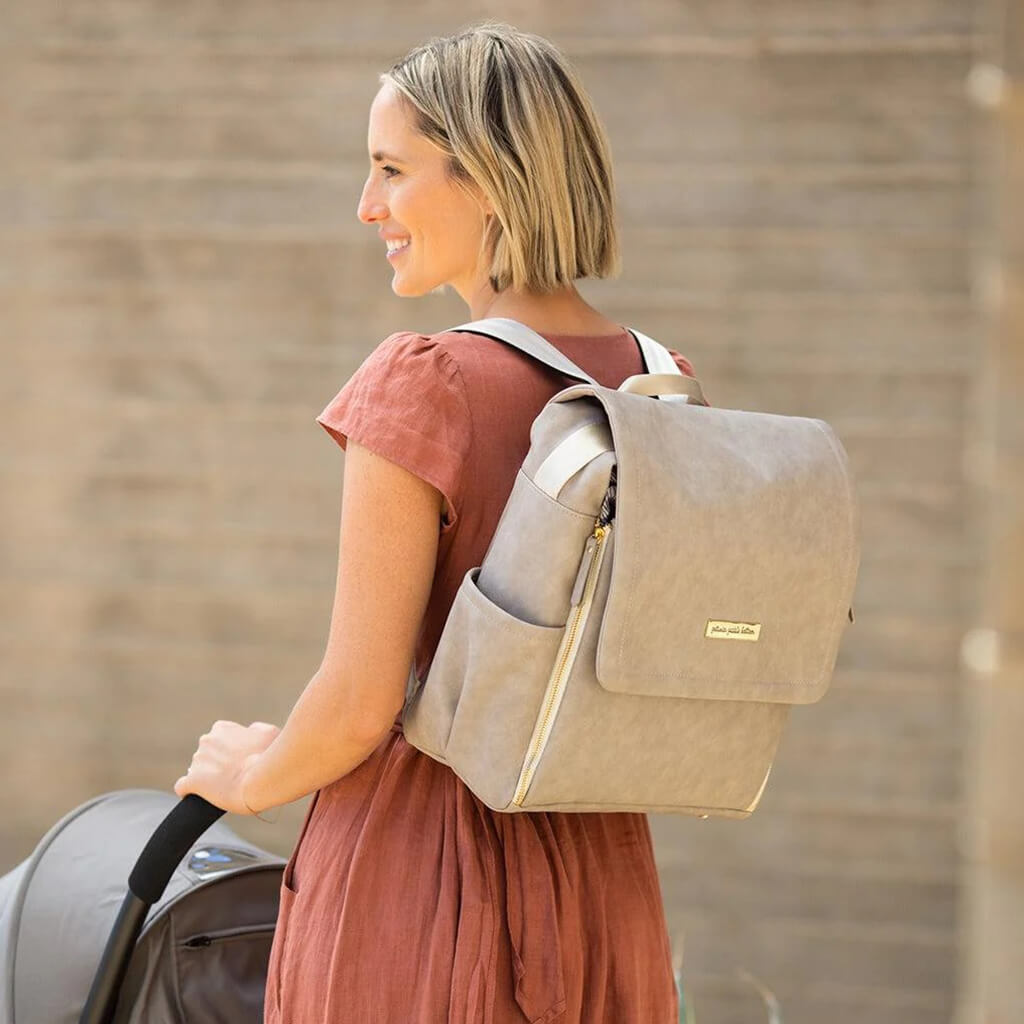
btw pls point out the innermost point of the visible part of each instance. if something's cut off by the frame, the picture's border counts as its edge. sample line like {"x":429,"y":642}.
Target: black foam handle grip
{"x":168,"y":844}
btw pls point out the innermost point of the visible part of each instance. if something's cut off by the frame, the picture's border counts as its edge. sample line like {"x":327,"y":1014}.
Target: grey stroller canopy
{"x":203,"y":950}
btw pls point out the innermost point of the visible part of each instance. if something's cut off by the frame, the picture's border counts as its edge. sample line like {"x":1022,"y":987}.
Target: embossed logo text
{"x":719,"y":630}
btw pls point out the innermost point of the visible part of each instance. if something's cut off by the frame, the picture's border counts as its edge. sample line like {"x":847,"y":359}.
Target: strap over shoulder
{"x":657,"y":358}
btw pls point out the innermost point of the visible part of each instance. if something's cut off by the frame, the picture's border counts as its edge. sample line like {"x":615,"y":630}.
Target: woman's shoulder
{"x":405,"y":367}
{"x":462,"y":352}
{"x":411,"y":353}
{"x":446,"y":357}
{"x":458,"y":351}
{"x":447,"y":344}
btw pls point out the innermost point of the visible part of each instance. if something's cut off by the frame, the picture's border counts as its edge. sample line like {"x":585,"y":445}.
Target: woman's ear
{"x":486,"y":206}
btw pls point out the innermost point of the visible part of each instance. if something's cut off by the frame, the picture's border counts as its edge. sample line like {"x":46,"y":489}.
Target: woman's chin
{"x":414,"y":289}
{"x":403,"y":291}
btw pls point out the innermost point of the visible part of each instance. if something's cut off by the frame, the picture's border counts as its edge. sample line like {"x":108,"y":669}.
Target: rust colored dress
{"x":406,"y":899}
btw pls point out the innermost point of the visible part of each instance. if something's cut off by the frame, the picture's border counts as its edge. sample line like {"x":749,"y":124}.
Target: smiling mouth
{"x":394,"y":251}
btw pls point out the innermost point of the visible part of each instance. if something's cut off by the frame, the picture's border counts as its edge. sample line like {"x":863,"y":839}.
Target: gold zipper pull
{"x":588,"y":557}
{"x":581,"y":573}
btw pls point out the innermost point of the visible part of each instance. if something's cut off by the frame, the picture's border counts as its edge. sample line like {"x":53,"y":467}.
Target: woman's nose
{"x":370,"y":207}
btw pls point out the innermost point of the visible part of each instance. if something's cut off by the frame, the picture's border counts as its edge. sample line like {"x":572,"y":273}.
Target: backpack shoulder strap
{"x":527,"y":340}
{"x":656,"y":357}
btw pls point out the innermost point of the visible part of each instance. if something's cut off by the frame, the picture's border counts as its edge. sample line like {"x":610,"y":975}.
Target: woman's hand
{"x":219,"y":764}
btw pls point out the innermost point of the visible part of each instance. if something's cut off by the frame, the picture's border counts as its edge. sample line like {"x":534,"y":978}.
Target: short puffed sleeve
{"x":407,"y":402}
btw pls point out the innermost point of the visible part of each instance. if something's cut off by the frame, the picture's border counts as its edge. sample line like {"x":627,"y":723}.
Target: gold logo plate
{"x":718,"y":629}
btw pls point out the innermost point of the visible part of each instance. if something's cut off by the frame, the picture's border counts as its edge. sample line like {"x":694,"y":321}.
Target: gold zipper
{"x":564,"y":659}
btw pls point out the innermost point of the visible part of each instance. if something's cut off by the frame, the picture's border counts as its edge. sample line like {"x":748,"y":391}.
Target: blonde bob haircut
{"x":512,"y":116}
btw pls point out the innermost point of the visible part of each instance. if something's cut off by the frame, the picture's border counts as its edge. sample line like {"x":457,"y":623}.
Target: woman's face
{"x":412,"y":201}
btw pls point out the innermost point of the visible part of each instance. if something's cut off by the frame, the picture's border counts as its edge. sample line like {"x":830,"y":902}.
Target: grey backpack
{"x":666,"y":580}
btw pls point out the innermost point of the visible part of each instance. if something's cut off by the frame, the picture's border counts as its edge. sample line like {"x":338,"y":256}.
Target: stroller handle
{"x":168,"y":844}
{"x":173,"y":837}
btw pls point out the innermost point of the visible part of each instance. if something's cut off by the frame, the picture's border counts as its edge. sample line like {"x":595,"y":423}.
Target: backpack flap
{"x":735,"y":552}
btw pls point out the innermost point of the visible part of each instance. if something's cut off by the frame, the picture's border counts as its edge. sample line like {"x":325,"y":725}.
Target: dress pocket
{"x":288,"y":879}
{"x":278,"y":962}
{"x":478,"y":706}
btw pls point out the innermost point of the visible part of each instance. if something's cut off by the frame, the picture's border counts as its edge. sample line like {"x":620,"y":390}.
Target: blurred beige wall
{"x":183,"y":286}
{"x":993,"y":651}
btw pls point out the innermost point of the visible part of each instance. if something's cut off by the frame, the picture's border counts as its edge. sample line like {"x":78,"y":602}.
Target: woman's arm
{"x":390,"y":521}
{"x":387,"y":553}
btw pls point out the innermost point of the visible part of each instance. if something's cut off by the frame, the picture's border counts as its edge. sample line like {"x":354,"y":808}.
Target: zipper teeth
{"x":543,"y":727}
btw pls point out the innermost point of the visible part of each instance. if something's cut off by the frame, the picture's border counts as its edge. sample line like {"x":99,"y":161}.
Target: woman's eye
{"x":389,"y":171}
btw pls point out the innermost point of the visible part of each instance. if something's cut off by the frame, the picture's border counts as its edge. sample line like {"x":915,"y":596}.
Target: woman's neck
{"x":564,"y":312}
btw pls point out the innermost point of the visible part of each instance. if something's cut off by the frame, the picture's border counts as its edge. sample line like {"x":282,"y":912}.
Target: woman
{"x":406,"y":900}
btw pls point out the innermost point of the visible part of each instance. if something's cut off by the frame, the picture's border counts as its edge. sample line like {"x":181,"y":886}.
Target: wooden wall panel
{"x":183,"y":286}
